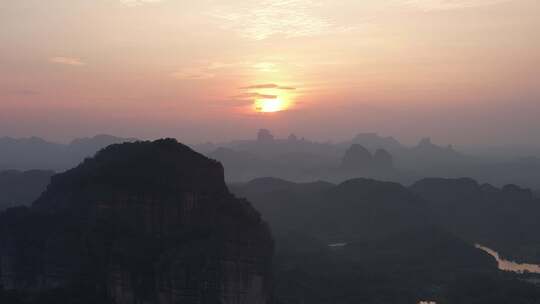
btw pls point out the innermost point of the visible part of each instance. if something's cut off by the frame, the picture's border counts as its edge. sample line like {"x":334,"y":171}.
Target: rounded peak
{"x":357,"y":157}
{"x":448,"y":181}
{"x":270,"y":183}
{"x":426,"y":141}
{"x":292,"y":137}
{"x":512,"y":187}
{"x":163,"y":166}
{"x":358,"y":149}
{"x":382,"y":153}
{"x":367,"y":184}
{"x":375,"y":139}
{"x":489,"y":188}
{"x":166,"y":149}
{"x":264,"y":135}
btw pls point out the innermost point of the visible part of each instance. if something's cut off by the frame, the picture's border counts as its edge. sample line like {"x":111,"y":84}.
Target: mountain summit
{"x":144,"y":222}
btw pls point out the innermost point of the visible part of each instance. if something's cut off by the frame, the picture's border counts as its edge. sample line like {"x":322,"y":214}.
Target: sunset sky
{"x":461,"y":71}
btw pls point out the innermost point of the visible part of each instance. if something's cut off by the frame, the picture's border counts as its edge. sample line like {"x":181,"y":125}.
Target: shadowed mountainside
{"x":376,"y":242}
{"x":154,"y":222}
{"x":146,"y":222}
{"x":505,"y":219}
{"x":356,"y":210}
{"x":360,"y":241}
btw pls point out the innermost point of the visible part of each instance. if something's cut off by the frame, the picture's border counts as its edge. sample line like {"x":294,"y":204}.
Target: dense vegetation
{"x":386,"y":246}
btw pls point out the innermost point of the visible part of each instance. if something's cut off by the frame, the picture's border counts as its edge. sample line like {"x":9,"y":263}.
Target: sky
{"x":461,"y":71}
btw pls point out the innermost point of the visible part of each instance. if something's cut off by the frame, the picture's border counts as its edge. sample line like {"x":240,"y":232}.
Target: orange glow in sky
{"x":149,"y":68}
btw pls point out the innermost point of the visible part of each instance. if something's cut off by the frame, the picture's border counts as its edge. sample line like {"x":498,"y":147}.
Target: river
{"x":506,"y":265}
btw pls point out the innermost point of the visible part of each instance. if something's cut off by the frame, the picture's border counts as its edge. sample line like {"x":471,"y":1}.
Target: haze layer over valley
{"x":299,"y":159}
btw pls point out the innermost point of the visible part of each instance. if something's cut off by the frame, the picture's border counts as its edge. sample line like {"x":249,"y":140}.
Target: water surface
{"x":512,"y":266}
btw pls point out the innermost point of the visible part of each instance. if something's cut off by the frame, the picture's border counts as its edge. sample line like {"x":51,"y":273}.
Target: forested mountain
{"x":145,"y":222}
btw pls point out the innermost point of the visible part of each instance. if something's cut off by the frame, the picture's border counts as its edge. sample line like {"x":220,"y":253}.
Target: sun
{"x":270,"y":98}
{"x":270,"y":105}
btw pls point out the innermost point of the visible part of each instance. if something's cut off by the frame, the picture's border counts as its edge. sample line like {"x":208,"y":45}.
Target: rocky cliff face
{"x":146,"y":222}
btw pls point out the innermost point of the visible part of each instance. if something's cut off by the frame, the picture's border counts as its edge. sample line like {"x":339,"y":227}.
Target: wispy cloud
{"x":256,"y":96}
{"x":20,"y":92}
{"x":267,"y":86}
{"x":268,"y":67}
{"x":193,"y":74}
{"x":252,"y":94}
{"x":262,"y":19}
{"x":67,"y":61}
{"x":138,"y":2}
{"x":208,"y":70}
{"x":433,"y":5}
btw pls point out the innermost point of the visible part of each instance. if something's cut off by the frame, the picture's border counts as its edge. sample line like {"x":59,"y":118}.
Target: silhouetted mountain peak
{"x":100,"y":140}
{"x":359,"y":160}
{"x":374,"y":138}
{"x":139,"y":223}
{"x":428,"y":149}
{"x":357,"y":157}
{"x":517,"y":193}
{"x":292,"y":138}
{"x":37,"y":153}
{"x":488,"y":188}
{"x":447,"y":187}
{"x":161,"y":166}
{"x":448,"y":190}
{"x":32,"y":139}
{"x":269,"y":184}
{"x":425,"y":142}
{"x":374,"y":141}
{"x":359,"y":187}
{"x":265,"y":136}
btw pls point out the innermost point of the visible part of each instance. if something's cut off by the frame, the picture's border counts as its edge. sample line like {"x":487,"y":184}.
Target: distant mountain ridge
{"x":301,"y":160}
{"x":36,"y":153}
{"x":298,"y":159}
{"x":502,"y":218}
{"x":19,"y":188}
